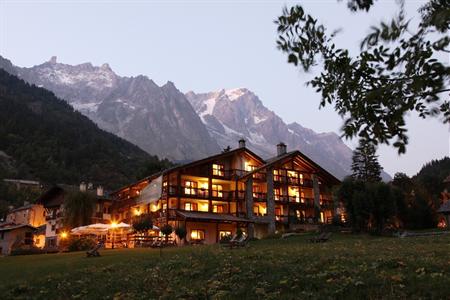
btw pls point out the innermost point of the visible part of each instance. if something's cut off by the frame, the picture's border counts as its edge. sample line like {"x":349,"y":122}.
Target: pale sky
{"x":205,"y":46}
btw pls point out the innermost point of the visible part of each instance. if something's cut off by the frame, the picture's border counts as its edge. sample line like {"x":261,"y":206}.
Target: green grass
{"x":349,"y":266}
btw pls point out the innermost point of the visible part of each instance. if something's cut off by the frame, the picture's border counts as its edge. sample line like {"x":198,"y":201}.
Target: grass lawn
{"x":349,"y":266}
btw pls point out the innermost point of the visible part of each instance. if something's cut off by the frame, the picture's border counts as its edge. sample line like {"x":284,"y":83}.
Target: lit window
{"x":256,"y":191}
{"x":190,"y":206}
{"x":218,"y":170}
{"x":249,"y":167}
{"x":277,"y":193}
{"x":292,"y":174}
{"x":302,"y":197}
{"x":217,"y":190}
{"x":301,"y":178}
{"x":218,"y":209}
{"x":277,"y":175}
{"x":190,"y":187}
{"x":295,"y":193}
{"x":224,"y":233}
{"x":197,"y":234}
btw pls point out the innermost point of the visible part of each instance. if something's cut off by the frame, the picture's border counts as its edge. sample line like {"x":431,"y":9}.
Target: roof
{"x":191,"y":164}
{"x":277,"y":159}
{"x":13,"y":227}
{"x":445,"y":208}
{"x":28,"y":206}
{"x":214,"y":157}
{"x":211,"y":216}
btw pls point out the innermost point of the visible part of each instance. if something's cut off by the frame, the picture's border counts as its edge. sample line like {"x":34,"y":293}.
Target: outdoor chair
{"x":242,"y":241}
{"x":94,"y":251}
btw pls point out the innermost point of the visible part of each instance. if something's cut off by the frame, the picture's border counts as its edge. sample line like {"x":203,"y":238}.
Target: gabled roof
{"x":289,"y":155}
{"x":216,"y":157}
{"x":192,"y":164}
{"x":13,"y":227}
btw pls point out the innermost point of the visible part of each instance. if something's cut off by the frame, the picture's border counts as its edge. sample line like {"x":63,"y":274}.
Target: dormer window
{"x":218,"y":170}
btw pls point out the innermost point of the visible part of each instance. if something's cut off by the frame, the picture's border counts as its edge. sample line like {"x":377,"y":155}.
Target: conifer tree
{"x":365,"y":166}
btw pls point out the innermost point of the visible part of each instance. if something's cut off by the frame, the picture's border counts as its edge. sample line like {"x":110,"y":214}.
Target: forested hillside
{"x":42,"y":137}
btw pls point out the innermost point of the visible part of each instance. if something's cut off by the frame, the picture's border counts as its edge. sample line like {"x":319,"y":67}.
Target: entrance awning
{"x":204,"y":216}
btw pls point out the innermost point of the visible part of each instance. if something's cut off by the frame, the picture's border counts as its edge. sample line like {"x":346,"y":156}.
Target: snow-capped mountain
{"x":163,"y":121}
{"x":160,"y":120}
{"x":236,"y":113}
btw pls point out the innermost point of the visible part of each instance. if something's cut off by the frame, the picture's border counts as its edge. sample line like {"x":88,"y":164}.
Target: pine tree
{"x":365,"y":166}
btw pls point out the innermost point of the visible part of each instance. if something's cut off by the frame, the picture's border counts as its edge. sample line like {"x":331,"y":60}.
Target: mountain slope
{"x":232,"y":114}
{"x":160,"y":120}
{"x":44,"y":137}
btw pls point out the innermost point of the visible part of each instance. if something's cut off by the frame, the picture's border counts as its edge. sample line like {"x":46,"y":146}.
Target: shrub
{"x":26,"y":251}
{"x":81,"y":244}
{"x":166,"y":229}
{"x":142,"y":223}
{"x":181,"y":233}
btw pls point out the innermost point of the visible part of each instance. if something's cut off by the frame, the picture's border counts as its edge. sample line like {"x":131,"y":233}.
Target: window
{"x":276,"y":175}
{"x":301,"y":178}
{"x":224,"y":233}
{"x":218,"y":170}
{"x":277,"y":214}
{"x":190,"y":187}
{"x":249,"y":167}
{"x":218,"y":209}
{"x":256,"y":191}
{"x":277,"y":193}
{"x":197,"y":234}
{"x":217,"y":190}
{"x":294,"y":192}
{"x":53,"y":227}
{"x":98,"y":207}
{"x":190,"y":206}
{"x":259,"y":210}
{"x":302,"y":197}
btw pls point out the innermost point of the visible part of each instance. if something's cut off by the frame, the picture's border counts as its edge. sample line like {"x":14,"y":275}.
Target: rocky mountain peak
{"x":52,"y":60}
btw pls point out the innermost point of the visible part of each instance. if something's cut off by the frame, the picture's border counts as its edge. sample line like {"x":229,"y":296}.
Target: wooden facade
{"x":217,"y":195}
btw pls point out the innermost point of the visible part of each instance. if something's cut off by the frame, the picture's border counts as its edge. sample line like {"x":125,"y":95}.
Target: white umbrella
{"x":99,"y":226}
{"x":155,"y":227}
{"x":122,"y":225}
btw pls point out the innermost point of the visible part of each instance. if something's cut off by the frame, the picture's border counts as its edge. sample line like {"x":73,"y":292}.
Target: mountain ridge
{"x":182,"y":126}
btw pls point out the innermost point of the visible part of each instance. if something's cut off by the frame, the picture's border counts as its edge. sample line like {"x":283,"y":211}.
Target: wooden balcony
{"x":202,"y":193}
{"x":282,"y":179}
{"x":259,"y":197}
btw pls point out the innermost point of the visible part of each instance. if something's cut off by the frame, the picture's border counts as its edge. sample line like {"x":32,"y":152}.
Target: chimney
{"x":241,"y":143}
{"x":90,"y":186}
{"x":281,"y":149}
{"x":83,"y":187}
{"x":100,"y":191}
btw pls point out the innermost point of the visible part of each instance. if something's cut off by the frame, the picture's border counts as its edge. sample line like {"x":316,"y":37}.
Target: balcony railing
{"x":202,"y":193}
{"x":293,"y":180}
{"x":259,"y":196}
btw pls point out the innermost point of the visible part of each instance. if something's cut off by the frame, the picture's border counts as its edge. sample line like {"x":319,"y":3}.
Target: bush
{"x":142,"y":223}
{"x":81,"y":244}
{"x":27,"y":251}
{"x":181,"y":233}
{"x":166,"y":229}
